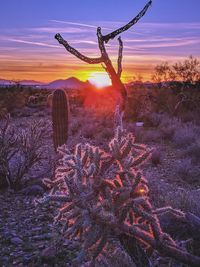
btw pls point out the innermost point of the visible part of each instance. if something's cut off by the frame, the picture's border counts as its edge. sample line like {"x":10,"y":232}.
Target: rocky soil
{"x":27,"y":235}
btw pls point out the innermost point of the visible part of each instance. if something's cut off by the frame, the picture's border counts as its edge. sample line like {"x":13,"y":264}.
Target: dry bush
{"x":14,"y":97}
{"x":156,"y":157}
{"x":21,"y":151}
{"x":187,"y":171}
{"x":3,"y":111}
{"x":179,"y":198}
{"x":185,"y":135}
{"x":163,"y":100}
{"x":153,"y":119}
{"x":168,"y":126}
{"x":139,"y":104}
{"x":151,"y":136}
{"x":193,"y":151}
{"x":176,"y":89}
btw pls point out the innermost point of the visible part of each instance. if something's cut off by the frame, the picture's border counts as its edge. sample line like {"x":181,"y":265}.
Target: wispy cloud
{"x":166,"y":44}
{"x":146,"y":45}
{"x":54,"y":30}
{"x":32,"y":43}
{"x":74,"y":23}
{"x":80,"y":24}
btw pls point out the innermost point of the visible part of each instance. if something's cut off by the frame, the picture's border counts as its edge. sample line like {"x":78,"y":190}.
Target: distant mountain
{"x":30,"y":82}
{"x":4,"y":82}
{"x":146,"y":84}
{"x":70,"y":83}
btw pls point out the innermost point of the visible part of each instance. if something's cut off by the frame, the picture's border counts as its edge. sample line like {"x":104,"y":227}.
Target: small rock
{"x":36,"y":229}
{"x":26,"y":259}
{"x":42,"y":237}
{"x":48,"y":254}
{"x":67,"y":243}
{"x":33,"y":190}
{"x":16,"y":241}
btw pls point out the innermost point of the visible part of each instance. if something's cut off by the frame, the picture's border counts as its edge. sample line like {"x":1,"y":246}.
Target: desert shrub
{"x":139,"y":133}
{"x":187,"y":171}
{"x":156,"y":157}
{"x":14,"y":97}
{"x":3,"y":111}
{"x":104,"y":118}
{"x":139,"y":104}
{"x":189,"y":116}
{"x":21,"y":151}
{"x":193,"y":151}
{"x":168,"y":127}
{"x":153,"y":119}
{"x":107,"y":133}
{"x":75,"y":126}
{"x":104,"y":203}
{"x":151,"y":136}
{"x":182,"y":83}
{"x":163,"y":99}
{"x":89,"y":131}
{"x":130,"y":126}
{"x":184,"y":136}
{"x":184,"y":169}
{"x":96,"y":99}
{"x":185,"y":200}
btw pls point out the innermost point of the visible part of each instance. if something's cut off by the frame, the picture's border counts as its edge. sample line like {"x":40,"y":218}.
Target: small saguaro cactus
{"x":60,"y":118}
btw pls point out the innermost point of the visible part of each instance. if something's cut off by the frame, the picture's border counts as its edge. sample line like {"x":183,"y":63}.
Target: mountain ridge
{"x":69,"y":83}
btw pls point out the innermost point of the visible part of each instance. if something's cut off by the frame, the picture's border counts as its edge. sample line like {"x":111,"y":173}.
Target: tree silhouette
{"x":104,"y":59}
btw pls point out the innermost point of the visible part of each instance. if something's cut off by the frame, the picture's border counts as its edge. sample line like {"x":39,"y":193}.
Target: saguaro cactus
{"x":60,"y":118}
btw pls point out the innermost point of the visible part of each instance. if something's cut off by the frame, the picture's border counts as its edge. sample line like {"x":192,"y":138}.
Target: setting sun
{"x":99,"y":79}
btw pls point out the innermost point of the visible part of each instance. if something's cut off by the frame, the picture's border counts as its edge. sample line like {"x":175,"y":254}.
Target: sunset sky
{"x":170,"y":31}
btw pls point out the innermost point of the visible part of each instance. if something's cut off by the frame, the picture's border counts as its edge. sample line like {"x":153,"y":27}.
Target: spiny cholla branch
{"x":112,"y":35}
{"x":119,"y":72}
{"x":104,"y":195}
{"x":76,"y":53}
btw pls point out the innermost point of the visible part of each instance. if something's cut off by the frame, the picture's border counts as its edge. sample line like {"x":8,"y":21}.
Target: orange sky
{"x":30,"y":51}
{"x":48,"y":68}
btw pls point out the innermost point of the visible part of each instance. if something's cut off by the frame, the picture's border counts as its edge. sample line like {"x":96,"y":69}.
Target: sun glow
{"x":99,"y":79}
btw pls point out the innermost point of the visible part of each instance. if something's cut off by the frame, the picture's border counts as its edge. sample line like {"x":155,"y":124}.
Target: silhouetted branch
{"x":115,"y":78}
{"x":75,"y":52}
{"x":104,"y":59}
{"x":119,"y":72}
{"x":112,"y":35}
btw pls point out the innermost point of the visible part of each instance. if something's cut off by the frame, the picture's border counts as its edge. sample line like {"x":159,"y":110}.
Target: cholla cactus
{"x":104,"y":196}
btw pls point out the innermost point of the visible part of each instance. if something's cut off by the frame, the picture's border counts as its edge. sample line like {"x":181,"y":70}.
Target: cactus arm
{"x":124,"y":28}
{"x":120,"y":55}
{"x":76,"y":53}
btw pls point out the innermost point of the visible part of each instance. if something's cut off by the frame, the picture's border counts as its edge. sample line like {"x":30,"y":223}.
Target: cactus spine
{"x":60,"y":118}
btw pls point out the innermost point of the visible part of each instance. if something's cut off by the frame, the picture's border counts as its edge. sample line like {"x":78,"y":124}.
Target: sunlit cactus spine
{"x":60,"y":113}
{"x":104,"y":204}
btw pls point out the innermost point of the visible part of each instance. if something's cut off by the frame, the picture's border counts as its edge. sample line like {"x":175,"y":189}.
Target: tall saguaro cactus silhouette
{"x":60,"y":110}
{"x":104,"y":59}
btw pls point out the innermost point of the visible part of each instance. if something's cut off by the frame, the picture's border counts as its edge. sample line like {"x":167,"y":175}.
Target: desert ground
{"x":28,"y":236}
